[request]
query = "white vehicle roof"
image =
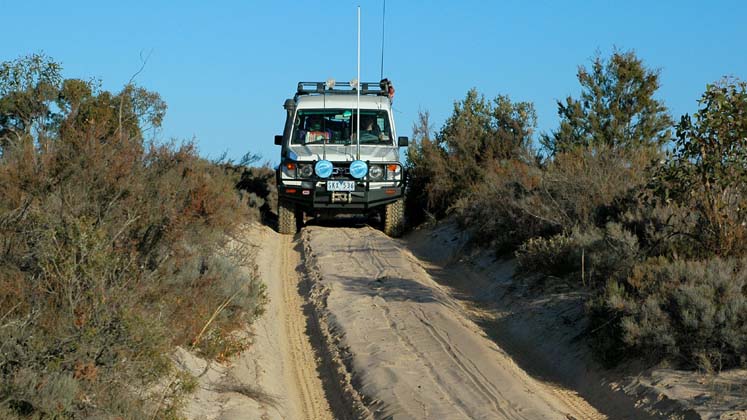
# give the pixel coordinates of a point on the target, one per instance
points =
(342, 101)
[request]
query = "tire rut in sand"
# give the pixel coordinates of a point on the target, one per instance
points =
(311, 402)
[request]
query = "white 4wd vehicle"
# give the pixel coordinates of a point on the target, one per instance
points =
(325, 168)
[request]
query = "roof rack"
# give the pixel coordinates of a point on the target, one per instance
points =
(382, 88)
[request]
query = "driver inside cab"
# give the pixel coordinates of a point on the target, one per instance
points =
(370, 130)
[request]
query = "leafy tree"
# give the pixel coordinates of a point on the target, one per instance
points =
(29, 86)
(35, 101)
(617, 108)
(479, 133)
(708, 169)
(121, 116)
(479, 130)
(424, 160)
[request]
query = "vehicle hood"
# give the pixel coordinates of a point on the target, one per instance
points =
(345, 153)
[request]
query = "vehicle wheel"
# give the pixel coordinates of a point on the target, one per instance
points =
(287, 224)
(300, 219)
(394, 219)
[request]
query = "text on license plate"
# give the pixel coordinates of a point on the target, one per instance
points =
(340, 185)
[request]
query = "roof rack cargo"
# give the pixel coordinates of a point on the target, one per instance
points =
(382, 88)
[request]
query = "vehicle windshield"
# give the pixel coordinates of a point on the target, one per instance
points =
(338, 126)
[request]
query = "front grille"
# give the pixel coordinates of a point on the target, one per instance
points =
(341, 172)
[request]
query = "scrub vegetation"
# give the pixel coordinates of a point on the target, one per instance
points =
(644, 213)
(114, 250)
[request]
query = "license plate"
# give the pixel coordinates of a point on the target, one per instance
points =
(340, 185)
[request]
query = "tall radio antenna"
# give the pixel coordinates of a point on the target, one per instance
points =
(358, 92)
(383, 20)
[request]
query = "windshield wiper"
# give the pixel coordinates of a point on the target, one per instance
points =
(329, 142)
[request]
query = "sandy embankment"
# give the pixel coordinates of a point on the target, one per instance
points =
(543, 330)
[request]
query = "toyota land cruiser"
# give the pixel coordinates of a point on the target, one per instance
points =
(340, 154)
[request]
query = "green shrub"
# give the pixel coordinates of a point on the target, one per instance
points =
(609, 253)
(663, 227)
(446, 168)
(617, 108)
(692, 313)
(258, 184)
(602, 254)
(581, 189)
(551, 256)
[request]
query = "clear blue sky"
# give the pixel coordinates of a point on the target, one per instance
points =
(225, 68)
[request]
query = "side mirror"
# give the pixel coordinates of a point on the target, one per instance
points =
(403, 141)
(279, 140)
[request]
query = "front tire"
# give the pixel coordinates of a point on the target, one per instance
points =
(287, 223)
(394, 219)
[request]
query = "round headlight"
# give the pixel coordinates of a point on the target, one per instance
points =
(305, 171)
(323, 168)
(358, 169)
(375, 172)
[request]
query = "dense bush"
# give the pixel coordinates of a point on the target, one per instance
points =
(113, 251)
(505, 210)
(258, 185)
(444, 169)
(425, 160)
(657, 238)
(481, 164)
(708, 170)
(693, 313)
(591, 256)
(522, 199)
(553, 256)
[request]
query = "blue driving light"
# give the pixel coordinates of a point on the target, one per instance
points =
(323, 168)
(358, 169)
(292, 155)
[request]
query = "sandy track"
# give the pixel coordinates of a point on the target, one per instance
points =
(411, 353)
(355, 328)
(305, 388)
